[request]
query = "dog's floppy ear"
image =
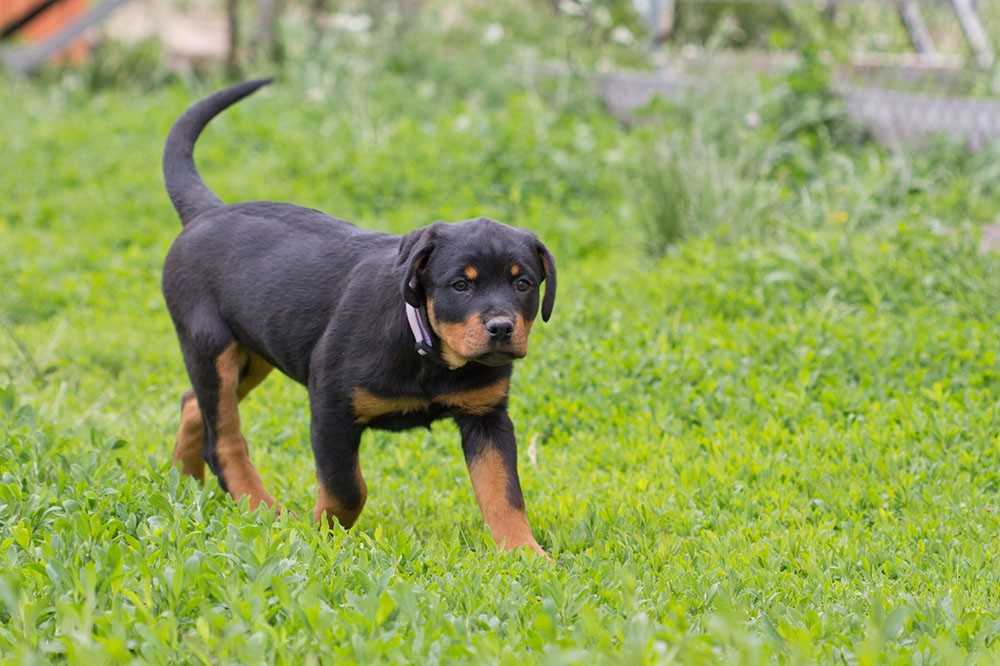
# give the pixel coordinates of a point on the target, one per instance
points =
(414, 250)
(549, 276)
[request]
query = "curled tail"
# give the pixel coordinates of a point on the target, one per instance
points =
(187, 191)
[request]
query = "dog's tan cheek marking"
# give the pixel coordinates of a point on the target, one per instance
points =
(470, 337)
(508, 525)
(515, 270)
(239, 473)
(477, 401)
(331, 507)
(368, 406)
(522, 329)
(190, 439)
(454, 338)
(452, 359)
(471, 272)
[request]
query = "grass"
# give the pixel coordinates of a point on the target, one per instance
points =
(776, 440)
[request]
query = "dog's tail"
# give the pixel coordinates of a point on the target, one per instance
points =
(187, 190)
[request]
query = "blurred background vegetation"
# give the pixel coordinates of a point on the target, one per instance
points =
(148, 40)
(762, 106)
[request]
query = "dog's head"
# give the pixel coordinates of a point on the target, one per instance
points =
(480, 282)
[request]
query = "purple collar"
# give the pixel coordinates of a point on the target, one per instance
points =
(421, 331)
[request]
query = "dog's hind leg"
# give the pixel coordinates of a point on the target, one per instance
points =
(190, 442)
(190, 438)
(220, 381)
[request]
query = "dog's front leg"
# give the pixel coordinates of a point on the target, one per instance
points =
(341, 489)
(491, 454)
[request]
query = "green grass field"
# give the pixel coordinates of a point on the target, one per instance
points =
(775, 438)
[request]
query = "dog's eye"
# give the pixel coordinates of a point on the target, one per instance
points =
(460, 285)
(524, 284)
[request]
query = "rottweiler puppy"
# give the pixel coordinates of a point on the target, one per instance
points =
(384, 331)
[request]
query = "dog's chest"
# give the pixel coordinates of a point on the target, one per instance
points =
(371, 408)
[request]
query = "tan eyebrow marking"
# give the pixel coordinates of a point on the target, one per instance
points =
(471, 272)
(515, 270)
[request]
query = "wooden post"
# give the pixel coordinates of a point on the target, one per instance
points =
(979, 42)
(317, 17)
(830, 10)
(267, 35)
(233, 47)
(913, 21)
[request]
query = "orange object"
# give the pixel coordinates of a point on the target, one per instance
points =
(48, 23)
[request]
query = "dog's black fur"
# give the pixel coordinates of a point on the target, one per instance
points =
(259, 285)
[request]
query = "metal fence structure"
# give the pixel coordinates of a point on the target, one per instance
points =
(893, 116)
(921, 19)
(902, 96)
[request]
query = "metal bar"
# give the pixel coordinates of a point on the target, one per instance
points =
(26, 18)
(660, 18)
(974, 32)
(913, 21)
(28, 58)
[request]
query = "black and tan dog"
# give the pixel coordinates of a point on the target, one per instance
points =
(385, 332)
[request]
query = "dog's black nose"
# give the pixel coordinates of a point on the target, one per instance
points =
(500, 328)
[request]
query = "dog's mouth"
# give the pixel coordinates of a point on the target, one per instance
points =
(501, 352)
(497, 358)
